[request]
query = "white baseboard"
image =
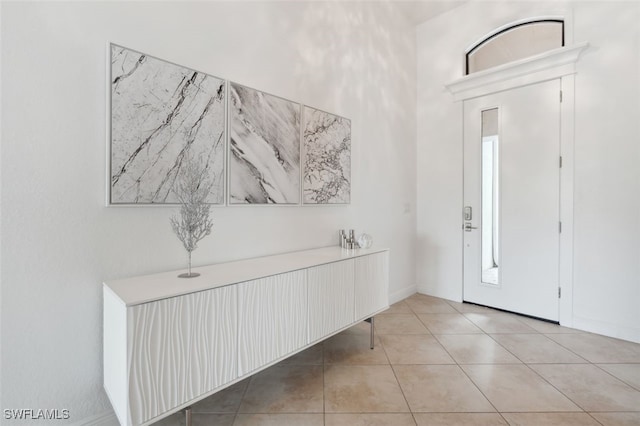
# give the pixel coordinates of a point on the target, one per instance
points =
(631, 334)
(442, 294)
(397, 296)
(108, 418)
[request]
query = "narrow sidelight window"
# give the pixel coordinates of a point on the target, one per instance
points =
(490, 198)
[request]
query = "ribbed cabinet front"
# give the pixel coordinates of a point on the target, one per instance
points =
(180, 348)
(272, 319)
(331, 298)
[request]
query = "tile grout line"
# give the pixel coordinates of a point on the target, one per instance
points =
(563, 346)
(244, 394)
(531, 369)
(613, 375)
(553, 386)
(460, 368)
(595, 420)
(588, 362)
(492, 337)
(393, 370)
(324, 398)
(465, 373)
(506, 349)
(467, 376)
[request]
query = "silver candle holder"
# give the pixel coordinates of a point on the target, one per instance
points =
(348, 240)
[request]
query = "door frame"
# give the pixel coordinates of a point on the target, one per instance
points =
(555, 64)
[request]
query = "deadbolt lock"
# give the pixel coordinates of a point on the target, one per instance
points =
(468, 213)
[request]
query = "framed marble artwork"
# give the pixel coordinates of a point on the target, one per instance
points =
(161, 114)
(264, 148)
(326, 162)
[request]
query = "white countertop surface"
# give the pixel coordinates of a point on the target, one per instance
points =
(148, 288)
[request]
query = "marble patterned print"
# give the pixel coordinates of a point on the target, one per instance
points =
(264, 160)
(327, 158)
(161, 114)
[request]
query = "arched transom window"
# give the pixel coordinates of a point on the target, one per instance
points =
(515, 42)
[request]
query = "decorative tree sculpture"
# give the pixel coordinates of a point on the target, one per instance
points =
(193, 223)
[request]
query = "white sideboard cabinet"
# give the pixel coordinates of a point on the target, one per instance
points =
(170, 342)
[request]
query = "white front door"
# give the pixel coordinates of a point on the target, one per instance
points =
(512, 200)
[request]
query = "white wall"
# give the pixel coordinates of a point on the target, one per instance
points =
(59, 241)
(606, 260)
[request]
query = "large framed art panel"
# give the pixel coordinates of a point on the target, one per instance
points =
(326, 158)
(264, 148)
(161, 116)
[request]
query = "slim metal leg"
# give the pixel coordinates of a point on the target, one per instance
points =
(187, 416)
(370, 321)
(372, 339)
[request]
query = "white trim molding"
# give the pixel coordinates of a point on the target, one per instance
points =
(567, 149)
(402, 294)
(545, 66)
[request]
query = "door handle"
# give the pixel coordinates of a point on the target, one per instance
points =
(468, 227)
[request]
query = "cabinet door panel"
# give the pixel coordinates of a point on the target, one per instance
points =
(331, 298)
(372, 284)
(181, 348)
(272, 319)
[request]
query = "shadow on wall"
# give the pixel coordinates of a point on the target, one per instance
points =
(374, 59)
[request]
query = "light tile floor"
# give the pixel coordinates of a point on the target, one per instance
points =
(440, 363)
